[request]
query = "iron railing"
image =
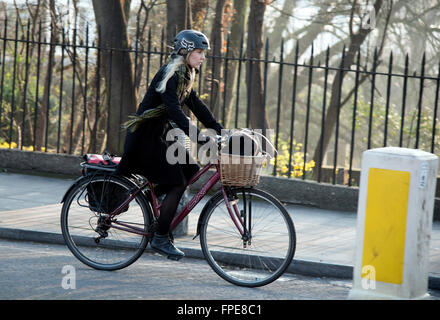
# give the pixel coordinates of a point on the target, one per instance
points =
(375, 105)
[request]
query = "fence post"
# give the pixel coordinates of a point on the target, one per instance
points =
(5, 32)
(309, 96)
(395, 210)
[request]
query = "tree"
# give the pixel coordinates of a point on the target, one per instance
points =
(178, 18)
(199, 9)
(215, 64)
(257, 116)
(237, 31)
(41, 130)
(141, 39)
(111, 17)
(356, 40)
(281, 24)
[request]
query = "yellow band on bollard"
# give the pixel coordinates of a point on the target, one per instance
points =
(385, 223)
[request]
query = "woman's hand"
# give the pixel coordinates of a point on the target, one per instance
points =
(209, 139)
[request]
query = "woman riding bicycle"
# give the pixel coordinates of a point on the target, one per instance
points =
(146, 146)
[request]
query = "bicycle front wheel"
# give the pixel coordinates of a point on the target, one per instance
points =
(253, 247)
(95, 239)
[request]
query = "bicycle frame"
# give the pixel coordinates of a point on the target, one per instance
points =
(232, 209)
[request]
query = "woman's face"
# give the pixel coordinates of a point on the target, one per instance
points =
(196, 58)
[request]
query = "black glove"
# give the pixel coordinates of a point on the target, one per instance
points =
(203, 139)
(208, 139)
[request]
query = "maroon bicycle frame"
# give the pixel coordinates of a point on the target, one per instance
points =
(233, 210)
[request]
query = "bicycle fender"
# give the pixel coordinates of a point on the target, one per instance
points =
(80, 179)
(70, 188)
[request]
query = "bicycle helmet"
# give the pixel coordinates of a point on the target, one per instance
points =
(188, 40)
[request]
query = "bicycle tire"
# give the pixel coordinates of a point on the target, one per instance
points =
(243, 263)
(82, 229)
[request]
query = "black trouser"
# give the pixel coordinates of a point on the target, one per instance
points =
(169, 206)
(173, 195)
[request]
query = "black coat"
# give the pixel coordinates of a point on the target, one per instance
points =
(145, 148)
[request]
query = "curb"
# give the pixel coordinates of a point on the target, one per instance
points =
(294, 191)
(302, 267)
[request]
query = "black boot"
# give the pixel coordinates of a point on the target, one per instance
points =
(163, 245)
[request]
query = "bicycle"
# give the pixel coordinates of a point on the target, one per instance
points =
(246, 234)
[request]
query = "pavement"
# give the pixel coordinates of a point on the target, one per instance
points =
(30, 210)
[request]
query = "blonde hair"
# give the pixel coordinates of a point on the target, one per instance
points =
(171, 68)
(192, 73)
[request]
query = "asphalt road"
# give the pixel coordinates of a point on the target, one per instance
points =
(41, 276)
(49, 272)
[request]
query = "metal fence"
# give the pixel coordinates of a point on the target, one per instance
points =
(53, 99)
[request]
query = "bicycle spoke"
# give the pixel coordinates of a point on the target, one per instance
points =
(255, 260)
(93, 239)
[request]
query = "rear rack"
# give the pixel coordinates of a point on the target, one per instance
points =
(109, 168)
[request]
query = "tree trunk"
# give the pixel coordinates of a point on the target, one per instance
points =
(93, 115)
(316, 27)
(237, 31)
(215, 64)
(356, 41)
(199, 9)
(254, 70)
(42, 123)
(281, 24)
(29, 124)
(178, 18)
(111, 19)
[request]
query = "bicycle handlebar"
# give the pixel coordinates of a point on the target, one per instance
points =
(220, 139)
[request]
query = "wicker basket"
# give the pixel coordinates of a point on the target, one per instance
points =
(241, 171)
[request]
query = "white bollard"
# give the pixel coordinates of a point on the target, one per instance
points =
(394, 222)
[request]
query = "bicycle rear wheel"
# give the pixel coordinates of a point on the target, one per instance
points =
(264, 249)
(91, 236)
